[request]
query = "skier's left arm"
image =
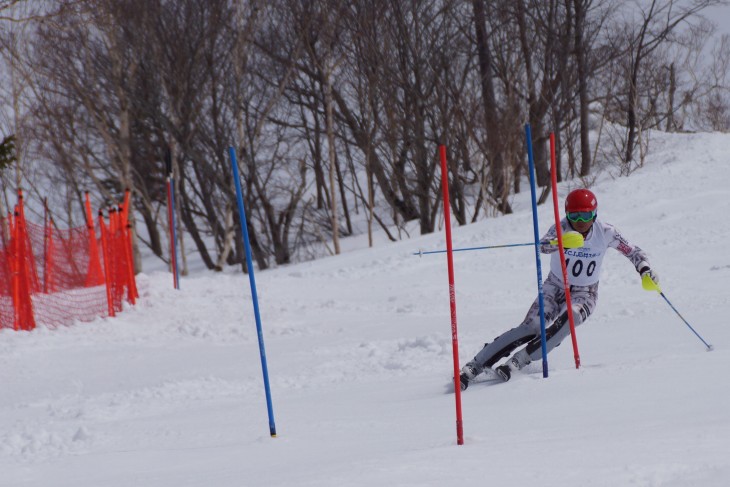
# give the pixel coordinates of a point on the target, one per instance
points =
(634, 253)
(546, 242)
(571, 239)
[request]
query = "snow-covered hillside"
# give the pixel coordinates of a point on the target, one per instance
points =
(170, 393)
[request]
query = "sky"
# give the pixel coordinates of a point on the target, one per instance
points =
(359, 352)
(721, 16)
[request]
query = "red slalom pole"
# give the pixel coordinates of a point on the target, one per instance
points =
(559, 230)
(452, 294)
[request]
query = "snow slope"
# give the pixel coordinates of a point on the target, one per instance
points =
(170, 393)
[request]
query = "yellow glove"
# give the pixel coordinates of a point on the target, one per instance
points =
(649, 278)
(571, 240)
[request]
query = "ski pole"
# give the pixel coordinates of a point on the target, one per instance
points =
(420, 253)
(648, 284)
(709, 347)
(571, 240)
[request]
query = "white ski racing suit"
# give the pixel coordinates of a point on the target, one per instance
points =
(584, 270)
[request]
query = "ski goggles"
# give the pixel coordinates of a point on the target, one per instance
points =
(581, 216)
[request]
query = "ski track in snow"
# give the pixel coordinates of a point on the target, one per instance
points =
(359, 350)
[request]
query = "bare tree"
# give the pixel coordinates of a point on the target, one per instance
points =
(495, 152)
(714, 113)
(581, 52)
(334, 107)
(659, 21)
(548, 25)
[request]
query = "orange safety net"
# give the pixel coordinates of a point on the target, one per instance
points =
(54, 277)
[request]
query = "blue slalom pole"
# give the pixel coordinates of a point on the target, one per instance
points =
(254, 295)
(531, 162)
(419, 253)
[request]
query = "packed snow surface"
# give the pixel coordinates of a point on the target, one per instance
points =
(359, 351)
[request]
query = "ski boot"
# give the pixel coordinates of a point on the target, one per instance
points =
(468, 373)
(517, 362)
(503, 372)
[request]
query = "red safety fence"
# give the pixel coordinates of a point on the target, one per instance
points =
(53, 277)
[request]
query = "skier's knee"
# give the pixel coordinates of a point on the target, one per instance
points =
(581, 312)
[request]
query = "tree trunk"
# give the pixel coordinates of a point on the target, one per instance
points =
(536, 104)
(154, 233)
(631, 124)
(363, 140)
(332, 161)
(580, 54)
(345, 208)
(322, 192)
(371, 194)
(227, 246)
(672, 91)
(500, 190)
(177, 172)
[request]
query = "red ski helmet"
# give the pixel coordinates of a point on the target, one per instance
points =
(580, 200)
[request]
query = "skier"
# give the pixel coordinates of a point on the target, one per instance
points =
(585, 241)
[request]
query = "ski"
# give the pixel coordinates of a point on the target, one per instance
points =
(487, 377)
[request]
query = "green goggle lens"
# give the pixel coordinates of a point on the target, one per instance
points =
(581, 216)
